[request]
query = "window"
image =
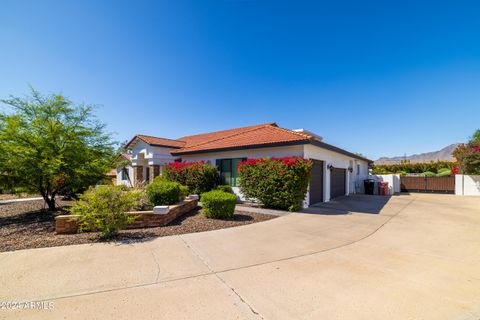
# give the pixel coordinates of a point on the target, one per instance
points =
(124, 174)
(147, 174)
(358, 169)
(228, 170)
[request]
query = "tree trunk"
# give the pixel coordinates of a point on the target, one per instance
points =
(50, 201)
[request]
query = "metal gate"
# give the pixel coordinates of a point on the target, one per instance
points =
(428, 184)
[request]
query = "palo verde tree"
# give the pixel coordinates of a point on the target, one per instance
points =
(51, 146)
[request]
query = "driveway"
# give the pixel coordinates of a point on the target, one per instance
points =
(360, 257)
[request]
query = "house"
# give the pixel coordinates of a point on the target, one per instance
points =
(124, 170)
(336, 172)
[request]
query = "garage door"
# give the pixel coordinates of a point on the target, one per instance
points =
(337, 182)
(316, 182)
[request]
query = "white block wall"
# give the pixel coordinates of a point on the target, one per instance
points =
(467, 185)
(392, 179)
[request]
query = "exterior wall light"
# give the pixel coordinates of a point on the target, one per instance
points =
(350, 169)
(330, 167)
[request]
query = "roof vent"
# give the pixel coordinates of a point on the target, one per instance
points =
(314, 135)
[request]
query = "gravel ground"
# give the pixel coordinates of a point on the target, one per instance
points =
(25, 225)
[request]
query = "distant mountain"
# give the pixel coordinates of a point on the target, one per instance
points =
(443, 154)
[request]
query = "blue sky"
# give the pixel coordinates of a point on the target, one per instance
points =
(380, 78)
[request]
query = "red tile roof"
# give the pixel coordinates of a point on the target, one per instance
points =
(155, 141)
(261, 135)
(257, 135)
(210, 136)
(126, 156)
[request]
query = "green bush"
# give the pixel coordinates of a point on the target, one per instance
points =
(444, 174)
(218, 204)
(183, 192)
(104, 208)
(225, 188)
(468, 156)
(412, 167)
(429, 174)
(279, 183)
(199, 177)
(161, 192)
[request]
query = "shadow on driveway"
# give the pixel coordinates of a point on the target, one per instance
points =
(370, 204)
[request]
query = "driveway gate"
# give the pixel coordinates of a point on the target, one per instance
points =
(428, 184)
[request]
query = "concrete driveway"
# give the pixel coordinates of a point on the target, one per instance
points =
(360, 257)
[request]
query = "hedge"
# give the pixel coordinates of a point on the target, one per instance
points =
(279, 183)
(224, 188)
(161, 192)
(218, 204)
(413, 167)
(199, 177)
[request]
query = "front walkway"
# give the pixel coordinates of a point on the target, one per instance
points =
(361, 257)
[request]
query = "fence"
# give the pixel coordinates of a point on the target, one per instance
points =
(428, 184)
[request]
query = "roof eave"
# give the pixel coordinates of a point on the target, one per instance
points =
(163, 145)
(151, 144)
(339, 150)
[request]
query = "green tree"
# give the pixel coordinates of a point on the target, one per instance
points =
(51, 146)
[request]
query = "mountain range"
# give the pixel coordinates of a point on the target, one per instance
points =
(444, 154)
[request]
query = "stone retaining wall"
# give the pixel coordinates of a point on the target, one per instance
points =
(68, 224)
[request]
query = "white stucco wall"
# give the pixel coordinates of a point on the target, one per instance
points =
(144, 154)
(392, 179)
(119, 180)
(467, 185)
(354, 179)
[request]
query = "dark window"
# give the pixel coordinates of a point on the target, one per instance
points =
(358, 169)
(147, 174)
(124, 174)
(228, 170)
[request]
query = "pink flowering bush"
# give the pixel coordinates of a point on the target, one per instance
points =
(199, 177)
(468, 156)
(279, 183)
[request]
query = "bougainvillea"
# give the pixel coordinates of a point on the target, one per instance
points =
(468, 156)
(199, 177)
(279, 183)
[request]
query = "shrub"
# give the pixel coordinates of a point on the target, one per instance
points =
(412, 167)
(468, 156)
(279, 183)
(218, 204)
(104, 208)
(444, 173)
(199, 177)
(429, 174)
(161, 192)
(183, 192)
(225, 188)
